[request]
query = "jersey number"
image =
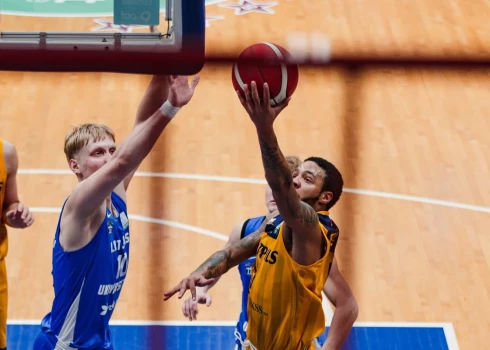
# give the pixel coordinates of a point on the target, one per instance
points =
(122, 265)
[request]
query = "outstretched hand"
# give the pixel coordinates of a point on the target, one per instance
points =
(260, 111)
(190, 306)
(195, 279)
(180, 92)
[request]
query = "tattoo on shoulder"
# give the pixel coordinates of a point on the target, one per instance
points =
(303, 212)
(308, 215)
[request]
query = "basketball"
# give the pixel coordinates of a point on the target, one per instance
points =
(266, 63)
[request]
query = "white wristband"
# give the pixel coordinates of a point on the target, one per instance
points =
(169, 110)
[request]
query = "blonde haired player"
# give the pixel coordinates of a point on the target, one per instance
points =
(15, 215)
(294, 250)
(91, 245)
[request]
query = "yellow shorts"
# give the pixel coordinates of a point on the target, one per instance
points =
(3, 304)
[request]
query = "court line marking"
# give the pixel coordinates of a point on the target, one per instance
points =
(448, 328)
(142, 218)
(451, 339)
(201, 177)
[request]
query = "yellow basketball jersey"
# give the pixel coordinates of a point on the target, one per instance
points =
(285, 301)
(3, 181)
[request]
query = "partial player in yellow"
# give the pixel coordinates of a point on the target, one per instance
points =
(294, 250)
(14, 214)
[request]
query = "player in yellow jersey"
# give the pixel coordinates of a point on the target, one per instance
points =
(336, 289)
(294, 251)
(14, 214)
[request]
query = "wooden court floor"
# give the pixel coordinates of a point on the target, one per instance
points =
(412, 145)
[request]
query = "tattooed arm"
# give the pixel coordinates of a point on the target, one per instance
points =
(300, 217)
(296, 214)
(219, 263)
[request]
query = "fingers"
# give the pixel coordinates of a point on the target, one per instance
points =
(29, 220)
(20, 217)
(183, 289)
(11, 214)
(283, 105)
(187, 309)
(209, 300)
(192, 287)
(255, 94)
(20, 208)
(171, 292)
(24, 212)
(171, 79)
(266, 93)
(248, 98)
(193, 311)
(190, 308)
(184, 307)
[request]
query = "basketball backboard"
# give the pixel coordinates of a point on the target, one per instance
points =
(177, 48)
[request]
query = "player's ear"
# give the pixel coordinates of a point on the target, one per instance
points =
(74, 167)
(326, 197)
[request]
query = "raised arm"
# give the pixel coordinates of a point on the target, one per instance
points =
(156, 94)
(340, 295)
(299, 216)
(90, 193)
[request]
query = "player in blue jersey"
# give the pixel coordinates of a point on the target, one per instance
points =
(91, 243)
(336, 289)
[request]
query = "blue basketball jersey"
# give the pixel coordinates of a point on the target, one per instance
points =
(245, 270)
(87, 283)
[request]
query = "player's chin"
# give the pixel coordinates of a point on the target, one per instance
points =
(272, 206)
